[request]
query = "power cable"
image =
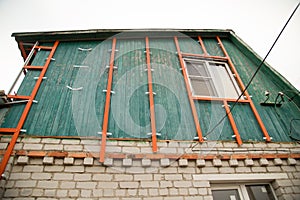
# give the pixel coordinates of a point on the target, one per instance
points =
(255, 73)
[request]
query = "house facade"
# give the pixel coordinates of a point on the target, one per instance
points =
(147, 114)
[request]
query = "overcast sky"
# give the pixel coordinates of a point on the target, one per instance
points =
(257, 22)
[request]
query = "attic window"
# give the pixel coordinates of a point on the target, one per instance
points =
(211, 79)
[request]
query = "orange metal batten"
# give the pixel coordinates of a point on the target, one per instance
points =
(263, 128)
(18, 97)
(219, 99)
(26, 111)
(43, 47)
(151, 98)
(232, 123)
(7, 130)
(204, 56)
(192, 104)
(202, 45)
(107, 101)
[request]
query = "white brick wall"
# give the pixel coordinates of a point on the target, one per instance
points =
(68, 171)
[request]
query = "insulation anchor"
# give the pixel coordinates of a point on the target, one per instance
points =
(23, 130)
(107, 133)
(114, 67)
(152, 70)
(157, 134)
(83, 49)
(74, 89)
(149, 93)
(113, 92)
(52, 59)
(39, 77)
(80, 66)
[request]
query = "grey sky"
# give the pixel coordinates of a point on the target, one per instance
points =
(257, 22)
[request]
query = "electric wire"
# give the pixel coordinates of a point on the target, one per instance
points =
(255, 73)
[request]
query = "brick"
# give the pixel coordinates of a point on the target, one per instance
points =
(233, 163)
(168, 150)
(129, 184)
(86, 193)
(11, 193)
(217, 162)
(142, 177)
(62, 193)
(291, 161)
(82, 177)
(33, 146)
(131, 150)
(104, 185)
(23, 160)
(183, 191)
(183, 162)
(278, 161)
(249, 162)
(263, 162)
(198, 184)
(165, 184)
(88, 161)
(73, 147)
(282, 183)
(49, 193)
(173, 177)
(200, 163)
(31, 140)
(48, 184)
(149, 184)
(127, 162)
(33, 168)
(146, 162)
(26, 192)
(50, 141)
(63, 176)
(53, 147)
(3, 146)
(70, 141)
(97, 193)
(123, 177)
(182, 184)
(41, 176)
(102, 177)
(48, 160)
(55, 168)
(68, 161)
(25, 184)
(108, 162)
(164, 162)
(209, 170)
(288, 168)
(19, 176)
(259, 169)
(67, 184)
(227, 170)
(74, 169)
(86, 185)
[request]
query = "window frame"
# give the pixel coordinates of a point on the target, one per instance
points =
(211, 77)
(241, 187)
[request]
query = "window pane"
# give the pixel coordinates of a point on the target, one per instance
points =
(230, 194)
(202, 87)
(260, 192)
(223, 81)
(196, 69)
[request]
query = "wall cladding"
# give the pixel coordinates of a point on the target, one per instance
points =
(46, 168)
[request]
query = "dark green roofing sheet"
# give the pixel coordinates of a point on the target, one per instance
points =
(64, 112)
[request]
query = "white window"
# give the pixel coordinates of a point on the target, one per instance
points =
(211, 79)
(242, 192)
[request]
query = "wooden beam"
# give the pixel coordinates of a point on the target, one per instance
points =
(107, 101)
(151, 98)
(232, 123)
(202, 45)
